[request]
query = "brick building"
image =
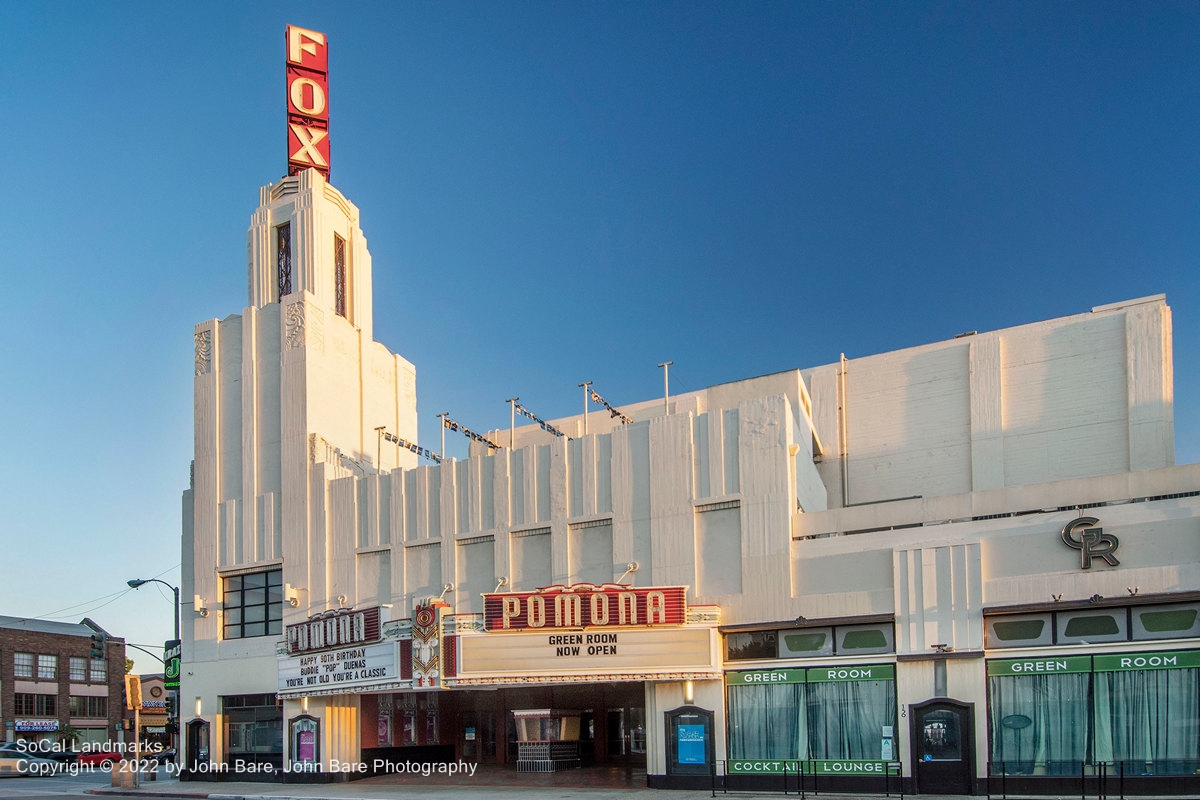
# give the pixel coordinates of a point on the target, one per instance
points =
(49, 680)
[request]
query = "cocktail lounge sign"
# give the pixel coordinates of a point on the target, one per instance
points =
(584, 605)
(1078, 534)
(344, 627)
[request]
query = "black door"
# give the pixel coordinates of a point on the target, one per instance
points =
(943, 746)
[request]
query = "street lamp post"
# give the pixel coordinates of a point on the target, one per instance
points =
(137, 583)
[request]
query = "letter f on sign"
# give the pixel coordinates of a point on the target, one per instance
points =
(303, 42)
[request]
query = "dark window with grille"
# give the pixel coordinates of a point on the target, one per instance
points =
(253, 604)
(283, 251)
(339, 274)
(38, 705)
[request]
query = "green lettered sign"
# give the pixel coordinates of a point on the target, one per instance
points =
(760, 677)
(865, 672)
(850, 767)
(761, 767)
(1172, 659)
(1039, 666)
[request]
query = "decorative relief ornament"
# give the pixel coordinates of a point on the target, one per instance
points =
(203, 341)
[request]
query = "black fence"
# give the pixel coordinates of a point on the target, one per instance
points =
(803, 778)
(1101, 780)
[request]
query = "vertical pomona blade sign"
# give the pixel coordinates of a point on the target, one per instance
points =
(307, 101)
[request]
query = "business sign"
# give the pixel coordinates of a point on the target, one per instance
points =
(585, 605)
(1078, 534)
(349, 667)
(172, 651)
(758, 677)
(307, 101)
(747, 766)
(1172, 659)
(1039, 666)
(343, 627)
(36, 725)
(587, 652)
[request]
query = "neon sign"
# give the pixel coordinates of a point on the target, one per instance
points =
(307, 101)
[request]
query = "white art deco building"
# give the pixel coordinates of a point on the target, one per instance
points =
(967, 558)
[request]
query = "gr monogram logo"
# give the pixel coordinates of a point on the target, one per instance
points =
(1079, 534)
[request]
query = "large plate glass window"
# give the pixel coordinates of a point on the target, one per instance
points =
(1048, 714)
(823, 713)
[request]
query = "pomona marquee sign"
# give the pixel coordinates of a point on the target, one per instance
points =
(584, 605)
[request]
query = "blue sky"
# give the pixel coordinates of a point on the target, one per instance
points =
(553, 193)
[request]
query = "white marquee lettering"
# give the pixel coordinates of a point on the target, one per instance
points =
(301, 41)
(568, 611)
(509, 607)
(598, 606)
(309, 137)
(296, 92)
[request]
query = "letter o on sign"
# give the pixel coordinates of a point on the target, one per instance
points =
(317, 107)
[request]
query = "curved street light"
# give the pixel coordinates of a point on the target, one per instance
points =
(137, 583)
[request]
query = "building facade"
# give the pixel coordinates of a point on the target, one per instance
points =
(57, 676)
(917, 563)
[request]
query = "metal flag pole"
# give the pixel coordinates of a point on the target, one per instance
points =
(585, 386)
(512, 420)
(442, 416)
(666, 392)
(379, 449)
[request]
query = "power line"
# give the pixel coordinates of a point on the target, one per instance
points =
(111, 598)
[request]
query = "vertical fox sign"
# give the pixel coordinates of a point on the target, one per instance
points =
(307, 101)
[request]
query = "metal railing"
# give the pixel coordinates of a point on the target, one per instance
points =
(1093, 779)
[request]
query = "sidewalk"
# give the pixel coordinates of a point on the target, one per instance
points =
(387, 788)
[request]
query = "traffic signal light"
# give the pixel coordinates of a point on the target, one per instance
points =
(171, 704)
(97, 645)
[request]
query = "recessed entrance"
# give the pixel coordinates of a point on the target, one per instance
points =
(943, 746)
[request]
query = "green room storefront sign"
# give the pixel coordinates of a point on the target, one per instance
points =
(814, 767)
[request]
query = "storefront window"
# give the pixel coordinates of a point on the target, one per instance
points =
(823, 713)
(1147, 711)
(1049, 715)
(1039, 714)
(253, 729)
(765, 722)
(846, 715)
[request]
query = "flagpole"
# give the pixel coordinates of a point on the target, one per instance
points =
(442, 416)
(666, 392)
(585, 386)
(512, 420)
